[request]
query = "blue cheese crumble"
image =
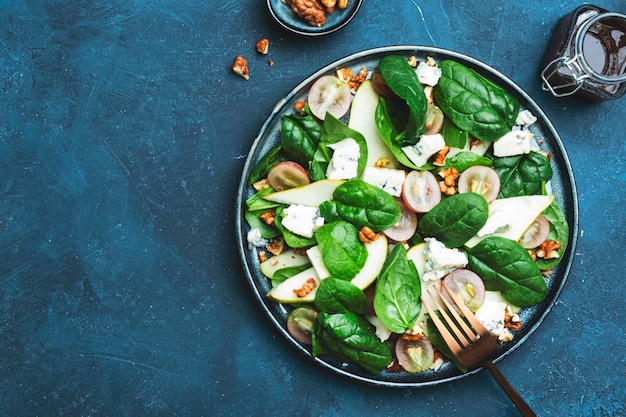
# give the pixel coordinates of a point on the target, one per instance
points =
(255, 239)
(516, 142)
(387, 179)
(441, 260)
(344, 163)
(302, 220)
(427, 146)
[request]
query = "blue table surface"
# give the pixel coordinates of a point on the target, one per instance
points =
(123, 134)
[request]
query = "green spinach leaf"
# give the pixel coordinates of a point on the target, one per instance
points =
(398, 289)
(455, 219)
(342, 252)
(363, 204)
(507, 267)
(522, 174)
(271, 158)
(388, 132)
(299, 136)
(402, 80)
(346, 337)
(463, 160)
(453, 136)
(338, 296)
(474, 103)
(287, 272)
(254, 220)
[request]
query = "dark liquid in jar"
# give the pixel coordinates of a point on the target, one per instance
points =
(604, 50)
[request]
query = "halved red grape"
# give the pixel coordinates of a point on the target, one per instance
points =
(434, 119)
(415, 354)
(482, 180)
(536, 234)
(468, 286)
(329, 94)
(287, 174)
(405, 228)
(420, 191)
(300, 324)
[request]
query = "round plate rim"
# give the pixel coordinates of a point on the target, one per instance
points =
(407, 50)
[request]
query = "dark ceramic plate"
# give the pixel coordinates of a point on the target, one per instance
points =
(286, 18)
(562, 184)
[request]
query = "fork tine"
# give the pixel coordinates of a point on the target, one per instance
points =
(450, 340)
(463, 331)
(476, 324)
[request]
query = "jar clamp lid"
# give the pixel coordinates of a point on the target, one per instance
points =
(577, 66)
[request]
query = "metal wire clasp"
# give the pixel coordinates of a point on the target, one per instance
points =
(577, 74)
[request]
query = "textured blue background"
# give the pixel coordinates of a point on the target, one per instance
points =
(123, 133)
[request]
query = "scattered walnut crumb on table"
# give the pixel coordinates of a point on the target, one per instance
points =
(240, 67)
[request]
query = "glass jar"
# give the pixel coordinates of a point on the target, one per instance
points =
(587, 55)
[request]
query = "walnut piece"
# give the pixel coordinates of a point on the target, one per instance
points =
(268, 217)
(382, 162)
(240, 67)
(342, 4)
(299, 106)
(263, 46)
(276, 246)
(440, 158)
(306, 289)
(309, 10)
(447, 186)
(329, 5)
(367, 235)
(548, 250)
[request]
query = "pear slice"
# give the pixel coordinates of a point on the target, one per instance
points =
(315, 257)
(362, 119)
(311, 195)
(284, 292)
(376, 255)
(417, 255)
(284, 259)
(510, 217)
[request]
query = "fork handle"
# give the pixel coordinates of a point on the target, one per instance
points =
(510, 391)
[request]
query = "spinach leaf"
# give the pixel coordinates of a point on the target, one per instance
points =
(473, 103)
(254, 220)
(454, 137)
(388, 132)
(299, 136)
(349, 338)
(559, 232)
(291, 239)
(522, 174)
(463, 160)
(338, 296)
(342, 252)
(258, 202)
(398, 289)
(455, 219)
(271, 158)
(363, 204)
(287, 272)
(402, 80)
(507, 267)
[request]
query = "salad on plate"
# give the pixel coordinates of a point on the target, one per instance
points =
(385, 182)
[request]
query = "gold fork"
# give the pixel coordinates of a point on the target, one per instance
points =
(472, 347)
